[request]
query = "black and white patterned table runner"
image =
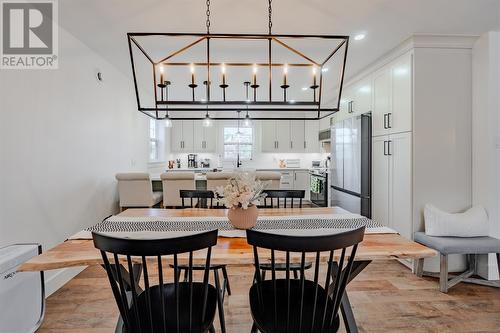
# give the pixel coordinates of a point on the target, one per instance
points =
(162, 224)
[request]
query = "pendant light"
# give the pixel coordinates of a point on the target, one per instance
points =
(207, 122)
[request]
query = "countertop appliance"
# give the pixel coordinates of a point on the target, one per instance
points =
(319, 186)
(350, 167)
(192, 161)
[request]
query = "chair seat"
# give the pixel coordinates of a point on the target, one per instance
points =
(459, 245)
(157, 197)
(263, 315)
(198, 324)
(282, 266)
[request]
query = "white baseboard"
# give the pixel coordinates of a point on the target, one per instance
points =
(56, 279)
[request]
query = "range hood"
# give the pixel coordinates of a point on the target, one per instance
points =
(325, 135)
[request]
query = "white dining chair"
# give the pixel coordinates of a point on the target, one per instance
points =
(136, 190)
(172, 183)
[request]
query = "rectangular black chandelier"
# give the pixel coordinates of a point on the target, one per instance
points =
(270, 77)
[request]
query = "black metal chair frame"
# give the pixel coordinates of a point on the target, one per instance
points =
(341, 271)
(201, 195)
(132, 300)
(283, 194)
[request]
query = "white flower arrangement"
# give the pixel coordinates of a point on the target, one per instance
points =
(243, 190)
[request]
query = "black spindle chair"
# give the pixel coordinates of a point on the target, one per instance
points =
(303, 305)
(285, 195)
(163, 307)
(202, 197)
(202, 201)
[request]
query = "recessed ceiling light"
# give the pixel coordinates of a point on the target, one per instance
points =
(324, 69)
(304, 88)
(292, 101)
(359, 36)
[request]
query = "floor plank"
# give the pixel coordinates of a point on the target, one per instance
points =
(386, 297)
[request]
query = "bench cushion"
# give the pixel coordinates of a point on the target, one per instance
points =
(459, 245)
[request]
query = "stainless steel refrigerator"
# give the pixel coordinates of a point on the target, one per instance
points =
(350, 168)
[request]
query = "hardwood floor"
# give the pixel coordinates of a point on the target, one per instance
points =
(386, 297)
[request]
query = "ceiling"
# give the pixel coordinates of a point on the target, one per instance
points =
(103, 24)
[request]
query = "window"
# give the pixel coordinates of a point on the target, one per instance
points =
(234, 143)
(153, 141)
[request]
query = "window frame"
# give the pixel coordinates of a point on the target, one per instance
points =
(237, 144)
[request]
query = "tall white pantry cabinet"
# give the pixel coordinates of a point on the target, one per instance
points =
(421, 129)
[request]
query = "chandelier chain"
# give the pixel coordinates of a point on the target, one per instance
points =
(208, 17)
(270, 10)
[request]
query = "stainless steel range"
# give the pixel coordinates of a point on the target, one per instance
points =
(319, 186)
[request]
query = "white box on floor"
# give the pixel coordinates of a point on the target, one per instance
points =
(22, 298)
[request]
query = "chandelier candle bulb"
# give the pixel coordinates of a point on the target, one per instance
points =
(161, 73)
(285, 72)
(192, 73)
(223, 70)
(255, 74)
(314, 70)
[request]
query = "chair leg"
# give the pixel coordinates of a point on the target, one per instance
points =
(226, 280)
(186, 275)
(419, 267)
(254, 329)
(263, 275)
(443, 273)
(295, 274)
(211, 329)
(220, 302)
(498, 265)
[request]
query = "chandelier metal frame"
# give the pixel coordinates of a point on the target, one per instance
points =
(163, 105)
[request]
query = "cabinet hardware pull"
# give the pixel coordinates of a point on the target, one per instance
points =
(385, 120)
(305, 146)
(389, 147)
(291, 144)
(385, 149)
(389, 120)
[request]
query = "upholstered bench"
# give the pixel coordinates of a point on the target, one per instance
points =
(471, 246)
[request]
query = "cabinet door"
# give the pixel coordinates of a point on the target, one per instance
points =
(176, 143)
(345, 104)
(302, 182)
(268, 136)
(199, 139)
(400, 116)
(283, 135)
(381, 102)
(362, 97)
(209, 138)
(400, 183)
(380, 181)
(286, 182)
(188, 135)
(337, 156)
(297, 136)
(311, 132)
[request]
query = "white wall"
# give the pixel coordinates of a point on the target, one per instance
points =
(63, 136)
(486, 135)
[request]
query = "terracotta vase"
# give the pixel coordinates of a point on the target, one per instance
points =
(243, 218)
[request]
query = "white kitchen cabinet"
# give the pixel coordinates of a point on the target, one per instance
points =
(337, 156)
(380, 181)
(204, 137)
(268, 136)
(282, 135)
(181, 136)
(297, 136)
(400, 180)
(392, 97)
(301, 181)
(391, 182)
(311, 131)
(287, 178)
(361, 101)
(381, 102)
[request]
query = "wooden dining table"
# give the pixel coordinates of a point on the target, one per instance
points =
(236, 251)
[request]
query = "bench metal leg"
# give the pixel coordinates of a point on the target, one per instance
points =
(443, 273)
